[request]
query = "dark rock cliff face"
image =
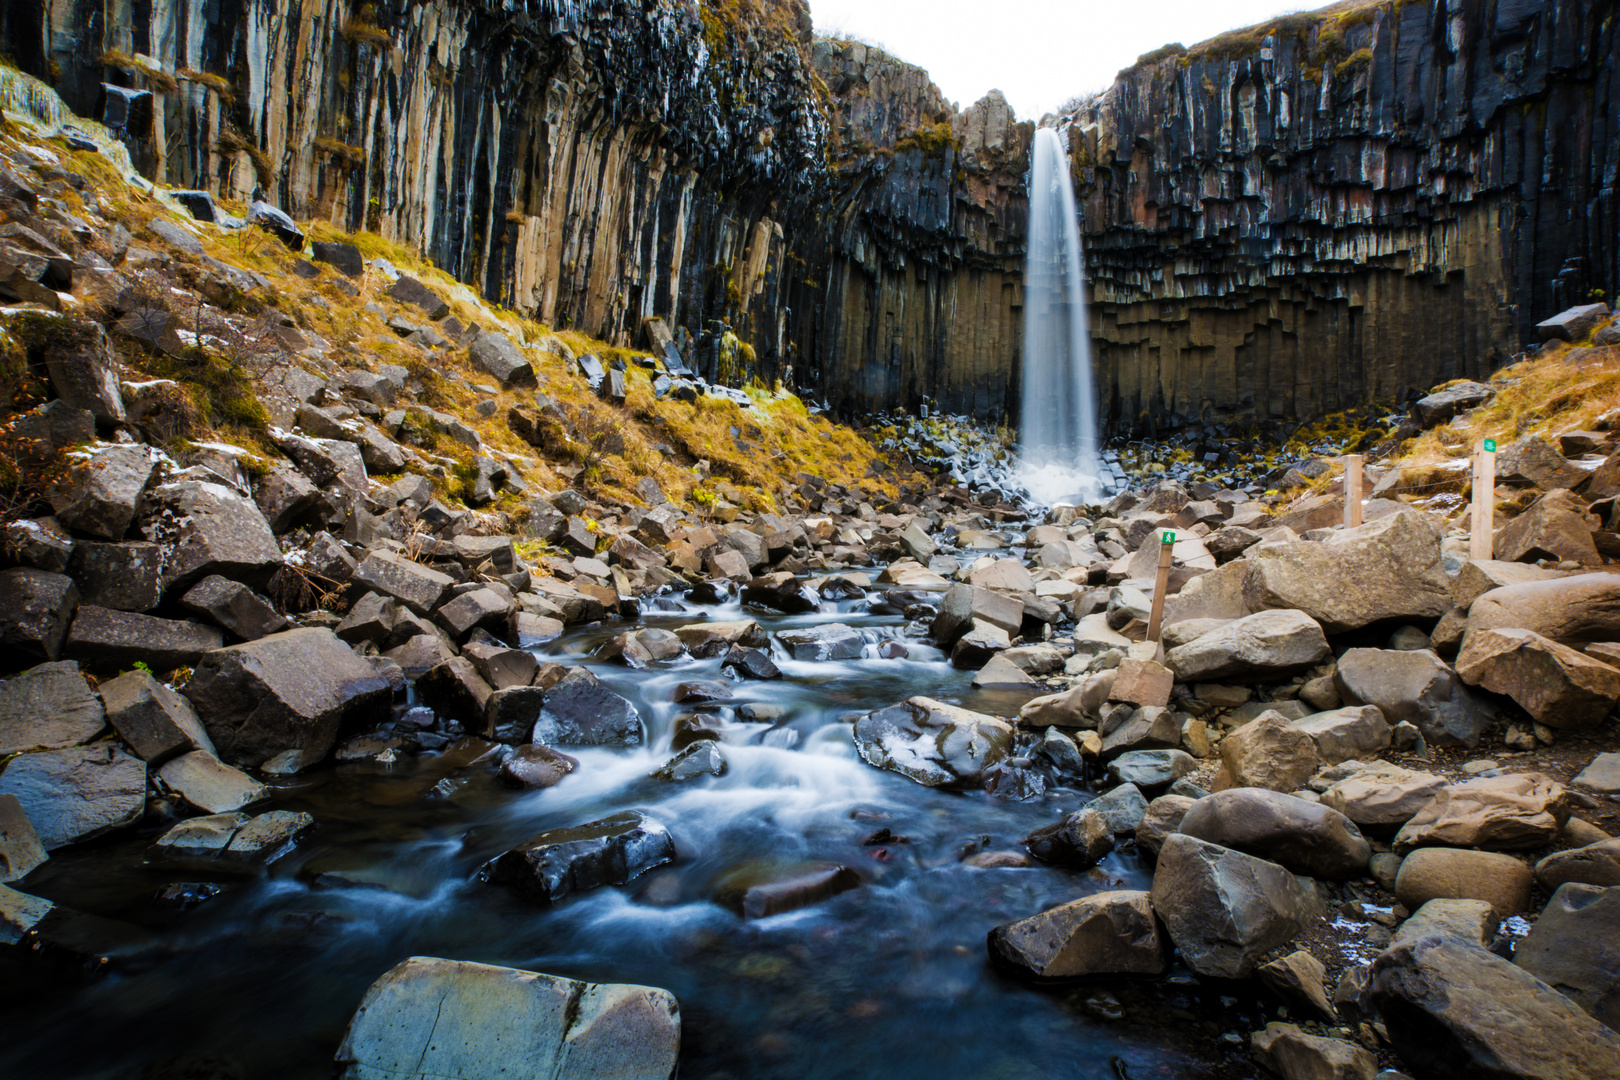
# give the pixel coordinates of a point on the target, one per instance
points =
(1279, 224)
(1347, 206)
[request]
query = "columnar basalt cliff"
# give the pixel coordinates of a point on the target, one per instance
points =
(1347, 205)
(1281, 222)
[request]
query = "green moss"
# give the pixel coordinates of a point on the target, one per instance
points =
(932, 139)
(1359, 60)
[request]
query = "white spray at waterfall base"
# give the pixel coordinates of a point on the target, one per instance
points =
(1058, 437)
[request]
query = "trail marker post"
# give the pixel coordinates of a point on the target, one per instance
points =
(1167, 550)
(1352, 490)
(1483, 521)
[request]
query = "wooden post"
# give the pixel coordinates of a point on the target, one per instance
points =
(1167, 550)
(1483, 521)
(1352, 490)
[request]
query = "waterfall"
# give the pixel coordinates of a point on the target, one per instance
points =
(1058, 440)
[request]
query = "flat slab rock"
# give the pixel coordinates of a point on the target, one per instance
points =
(429, 1018)
(77, 793)
(558, 862)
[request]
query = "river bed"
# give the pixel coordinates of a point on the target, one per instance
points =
(890, 979)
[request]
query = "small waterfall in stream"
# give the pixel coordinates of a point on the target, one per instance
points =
(1058, 441)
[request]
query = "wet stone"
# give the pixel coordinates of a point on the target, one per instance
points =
(747, 663)
(613, 851)
(703, 758)
(536, 766)
(758, 892)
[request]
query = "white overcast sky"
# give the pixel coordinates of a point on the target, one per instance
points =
(1039, 53)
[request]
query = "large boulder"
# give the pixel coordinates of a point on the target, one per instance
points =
(1107, 933)
(1265, 645)
(430, 1019)
(1295, 1054)
(1356, 731)
(1570, 610)
(1269, 752)
(1453, 874)
(105, 641)
(77, 793)
(1382, 797)
(1442, 405)
(48, 707)
(933, 743)
(416, 586)
(1532, 462)
(295, 690)
(1556, 526)
(102, 489)
(558, 862)
(495, 354)
(1501, 813)
(1387, 569)
(1414, 686)
(1555, 684)
(36, 609)
(1575, 947)
(209, 529)
(580, 711)
(829, 641)
(155, 720)
(1595, 864)
(963, 604)
(1454, 1009)
(1224, 909)
(1303, 836)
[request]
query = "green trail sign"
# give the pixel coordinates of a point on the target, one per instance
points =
(1169, 537)
(1490, 446)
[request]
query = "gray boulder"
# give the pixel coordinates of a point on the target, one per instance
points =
(77, 793)
(416, 586)
(1356, 731)
(105, 641)
(962, 604)
(495, 354)
(1108, 933)
(581, 711)
(428, 1019)
(99, 497)
(1411, 686)
(1123, 806)
(157, 722)
(289, 691)
(1454, 1009)
(127, 575)
(830, 641)
(1575, 948)
(558, 862)
(935, 744)
(1389, 568)
(1225, 910)
(209, 529)
(1267, 644)
(1151, 770)
(235, 607)
(48, 707)
(1303, 836)
(36, 609)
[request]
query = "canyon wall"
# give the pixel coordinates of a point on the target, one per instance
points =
(1341, 206)
(1279, 223)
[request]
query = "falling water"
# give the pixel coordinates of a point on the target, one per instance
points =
(1059, 439)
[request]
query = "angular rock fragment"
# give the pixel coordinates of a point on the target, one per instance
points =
(581, 711)
(48, 707)
(155, 720)
(235, 607)
(1411, 686)
(103, 640)
(1294, 1054)
(20, 850)
(1108, 933)
(209, 784)
(1225, 910)
(1555, 684)
(416, 586)
(1267, 644)
(1269, 752)
(289, 691)
(1080, 840)
(1502, 813)
(935, 744)
(556, 863)
(36, 609)
(1357, 731)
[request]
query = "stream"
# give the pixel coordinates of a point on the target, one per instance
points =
(890, 979)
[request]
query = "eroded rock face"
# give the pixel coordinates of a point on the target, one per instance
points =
(428, 1018)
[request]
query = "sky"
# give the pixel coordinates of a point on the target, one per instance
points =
(1039, 53)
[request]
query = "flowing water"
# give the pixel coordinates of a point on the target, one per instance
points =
(888, 980)
(1058, 424)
